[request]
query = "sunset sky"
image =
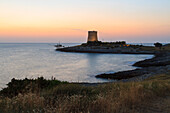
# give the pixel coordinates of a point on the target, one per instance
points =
(69, 20)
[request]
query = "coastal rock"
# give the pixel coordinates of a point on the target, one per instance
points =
(105, 49)
(123, 74)
(158, 60)
(143, 72)
(150, 67)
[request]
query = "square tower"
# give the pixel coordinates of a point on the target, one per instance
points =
(92, 36)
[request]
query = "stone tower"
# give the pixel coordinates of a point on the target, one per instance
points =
(92, 36)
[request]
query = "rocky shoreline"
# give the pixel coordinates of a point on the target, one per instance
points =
(100, 49)
(161, 59)
(159, 64)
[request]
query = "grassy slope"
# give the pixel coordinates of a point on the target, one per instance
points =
(151, 95)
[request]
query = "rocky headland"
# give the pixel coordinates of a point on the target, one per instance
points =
(161, 59)
(110, 48)
(159, 64)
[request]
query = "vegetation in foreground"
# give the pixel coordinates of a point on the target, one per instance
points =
(40, 95)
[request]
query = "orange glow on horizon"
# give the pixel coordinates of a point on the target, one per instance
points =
(72, 19)
(71, 32)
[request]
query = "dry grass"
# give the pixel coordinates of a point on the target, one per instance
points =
(22, 103)
(128, 97)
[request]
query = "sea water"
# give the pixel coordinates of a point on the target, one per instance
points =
(32, 60)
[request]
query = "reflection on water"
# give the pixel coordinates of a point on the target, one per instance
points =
(33, 60)
(92, 60)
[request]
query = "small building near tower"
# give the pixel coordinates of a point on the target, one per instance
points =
(92, 36)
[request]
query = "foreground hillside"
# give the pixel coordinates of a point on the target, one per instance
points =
(40, 95)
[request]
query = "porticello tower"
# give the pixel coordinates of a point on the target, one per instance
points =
(92, 36)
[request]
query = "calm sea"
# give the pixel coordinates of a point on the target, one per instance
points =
(34, 60)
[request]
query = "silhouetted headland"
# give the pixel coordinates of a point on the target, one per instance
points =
(119, 47)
